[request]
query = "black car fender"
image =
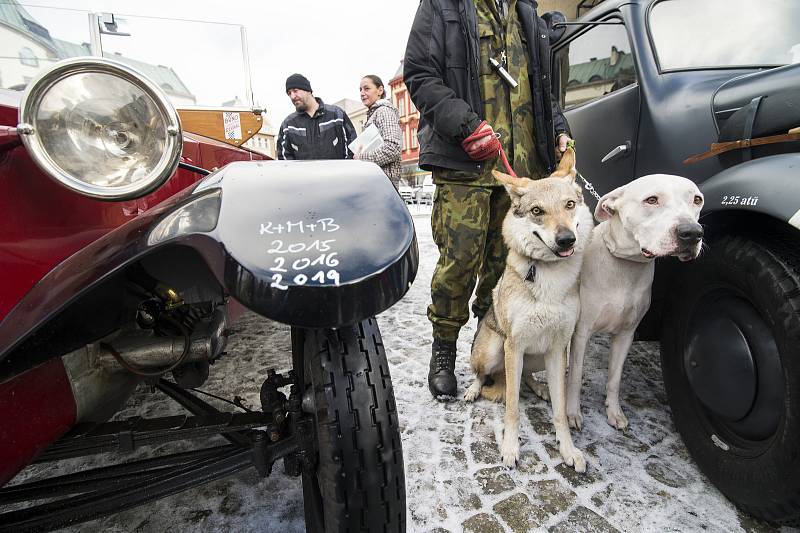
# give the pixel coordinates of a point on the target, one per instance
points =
(767, 186)
(311, 243)
(758, 195)
(306, 243)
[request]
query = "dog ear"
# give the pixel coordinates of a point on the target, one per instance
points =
(566, 167)
(514, 186)
(606, 206)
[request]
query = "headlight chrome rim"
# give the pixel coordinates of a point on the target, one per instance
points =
(45, 81)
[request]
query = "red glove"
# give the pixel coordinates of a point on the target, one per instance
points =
(482, 143)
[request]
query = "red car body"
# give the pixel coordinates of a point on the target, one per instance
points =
(46, 228)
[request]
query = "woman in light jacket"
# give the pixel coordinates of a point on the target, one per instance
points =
(386, 118)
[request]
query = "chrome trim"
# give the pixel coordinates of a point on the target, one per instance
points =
(63, 69)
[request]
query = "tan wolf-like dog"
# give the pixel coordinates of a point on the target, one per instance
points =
(535, 303)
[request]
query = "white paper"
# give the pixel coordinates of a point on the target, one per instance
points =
(233, 125)
(369, 140)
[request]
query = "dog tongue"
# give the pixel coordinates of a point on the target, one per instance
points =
(566, 253)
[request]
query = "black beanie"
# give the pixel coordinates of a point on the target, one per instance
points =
(298, 81)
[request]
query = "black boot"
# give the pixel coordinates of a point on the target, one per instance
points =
(441, 376)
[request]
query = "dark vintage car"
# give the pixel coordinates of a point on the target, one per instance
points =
(132, 235)
(646, 85)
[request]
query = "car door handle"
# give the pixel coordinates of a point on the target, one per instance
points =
(619, 151)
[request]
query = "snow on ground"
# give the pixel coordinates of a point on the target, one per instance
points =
(638, 480)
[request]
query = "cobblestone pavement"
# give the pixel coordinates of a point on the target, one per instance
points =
(641, 479)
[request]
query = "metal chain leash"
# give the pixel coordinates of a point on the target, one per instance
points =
(587, 184)
(589, 187)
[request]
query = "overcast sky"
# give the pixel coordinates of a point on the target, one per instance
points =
(332, 42)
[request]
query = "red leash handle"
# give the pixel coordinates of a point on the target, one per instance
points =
(505, 162)
(488, 150)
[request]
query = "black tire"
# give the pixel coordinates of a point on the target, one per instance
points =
(740, 421)
(360, 480)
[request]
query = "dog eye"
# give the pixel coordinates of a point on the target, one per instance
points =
(652, 200)
(537, 211)
(571, 204)
(698, 200)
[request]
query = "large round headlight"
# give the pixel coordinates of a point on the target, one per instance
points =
(100, 128)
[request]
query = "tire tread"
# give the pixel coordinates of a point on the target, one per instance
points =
(362, 433)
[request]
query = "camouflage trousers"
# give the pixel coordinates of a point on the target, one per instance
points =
(467, 227)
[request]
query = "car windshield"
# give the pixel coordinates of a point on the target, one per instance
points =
(725, 33)
(180, 56)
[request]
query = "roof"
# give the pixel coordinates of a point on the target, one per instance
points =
(397, 75)
(67, 49)
(600, 69)
(15, 16)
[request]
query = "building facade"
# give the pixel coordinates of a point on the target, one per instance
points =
(263, 141)
(409, 122)
(355, 110)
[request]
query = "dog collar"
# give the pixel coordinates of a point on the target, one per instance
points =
(531, 273)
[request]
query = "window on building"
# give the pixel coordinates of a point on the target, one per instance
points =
(414, 141)
(596, 63)
(412, 108)
(401, 104)
(27, 57)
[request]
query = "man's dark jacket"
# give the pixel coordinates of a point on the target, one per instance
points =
(441, 73)
(323, 136)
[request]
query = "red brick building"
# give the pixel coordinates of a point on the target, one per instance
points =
(409, 121)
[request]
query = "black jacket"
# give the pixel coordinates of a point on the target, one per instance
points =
(441, 73)
(323, 136)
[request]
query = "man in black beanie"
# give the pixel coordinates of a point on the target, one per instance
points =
(316, 130)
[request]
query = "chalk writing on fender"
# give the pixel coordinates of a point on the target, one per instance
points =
(317, 258)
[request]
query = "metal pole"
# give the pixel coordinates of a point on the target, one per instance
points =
(248, 87)
(95, 44)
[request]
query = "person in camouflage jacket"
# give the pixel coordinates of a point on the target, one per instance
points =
(458, 92)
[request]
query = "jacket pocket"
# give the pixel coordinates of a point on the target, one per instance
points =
(325, 126)
(297, 138)
(486, 49)
(455, 45)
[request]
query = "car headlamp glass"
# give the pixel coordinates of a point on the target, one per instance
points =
(101, 129)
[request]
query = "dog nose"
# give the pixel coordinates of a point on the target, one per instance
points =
(689, 233)
(565, 239)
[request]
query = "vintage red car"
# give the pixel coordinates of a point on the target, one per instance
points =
(132, 233)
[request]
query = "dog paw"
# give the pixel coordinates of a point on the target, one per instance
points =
(539, 389)
(616, 418)
(509, 451)
(575, 420)
(573, 457)
(473, 392)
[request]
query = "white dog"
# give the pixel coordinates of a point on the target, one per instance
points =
(650, 217)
